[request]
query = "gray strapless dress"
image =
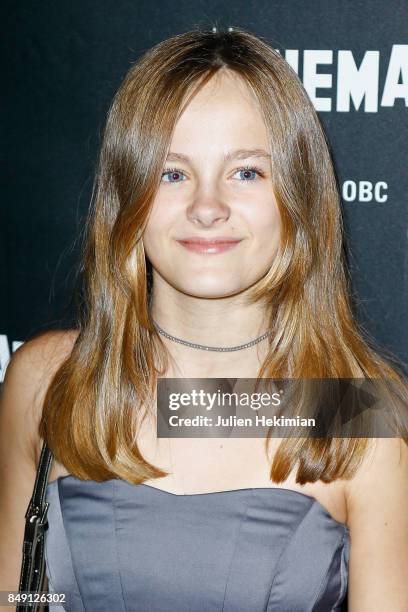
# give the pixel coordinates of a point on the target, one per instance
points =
(118, 547)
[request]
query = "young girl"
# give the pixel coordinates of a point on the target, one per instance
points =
(214, 250)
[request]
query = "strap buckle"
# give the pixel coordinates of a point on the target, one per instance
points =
(37, 516)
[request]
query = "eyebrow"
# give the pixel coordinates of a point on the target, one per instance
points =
(235, 154)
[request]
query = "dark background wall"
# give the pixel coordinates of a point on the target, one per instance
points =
(62, 63)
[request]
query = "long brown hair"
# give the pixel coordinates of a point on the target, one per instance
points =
(90, 408)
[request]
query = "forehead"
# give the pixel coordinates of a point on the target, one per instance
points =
(225, 111)
(225, 85)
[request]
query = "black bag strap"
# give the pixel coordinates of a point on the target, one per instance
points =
(33, 563)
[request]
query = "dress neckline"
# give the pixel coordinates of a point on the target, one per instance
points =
(158, 491)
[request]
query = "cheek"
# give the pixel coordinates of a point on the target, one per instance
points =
(267, 227)
(157, 227)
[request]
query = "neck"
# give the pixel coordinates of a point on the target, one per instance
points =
(224, 322)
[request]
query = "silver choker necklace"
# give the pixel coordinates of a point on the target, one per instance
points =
(210, 348)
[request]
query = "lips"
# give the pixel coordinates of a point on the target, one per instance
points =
(209, 246)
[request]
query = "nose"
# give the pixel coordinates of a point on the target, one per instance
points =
(207, 208)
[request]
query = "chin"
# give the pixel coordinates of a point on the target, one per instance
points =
(209, 290)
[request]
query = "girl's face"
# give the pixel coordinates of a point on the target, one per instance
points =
(216, 183)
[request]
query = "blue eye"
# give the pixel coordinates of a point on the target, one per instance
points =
(174, 175)
(249, 173)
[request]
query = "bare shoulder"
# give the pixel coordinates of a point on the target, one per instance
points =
(383, 469)
(46, 348)
(35, 362)
(26, 381)
(377, 505)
